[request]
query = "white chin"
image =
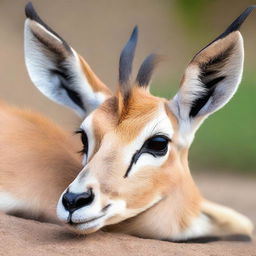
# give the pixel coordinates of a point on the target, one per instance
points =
(86, 228)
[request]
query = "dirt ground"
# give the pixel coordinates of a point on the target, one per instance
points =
(28, 237)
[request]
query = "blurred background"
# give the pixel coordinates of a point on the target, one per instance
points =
(175, 28)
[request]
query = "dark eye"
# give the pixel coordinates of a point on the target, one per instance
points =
(84, 140)
(157, 145)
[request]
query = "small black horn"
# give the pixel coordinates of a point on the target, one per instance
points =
(125, 62)
(146, 69)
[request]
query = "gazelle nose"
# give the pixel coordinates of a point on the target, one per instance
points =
(72, 201)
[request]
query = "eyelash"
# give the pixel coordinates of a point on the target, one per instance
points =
(84, 140)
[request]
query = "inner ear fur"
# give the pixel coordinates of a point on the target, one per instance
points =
(212, 77)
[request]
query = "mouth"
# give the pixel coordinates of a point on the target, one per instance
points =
(86, 226)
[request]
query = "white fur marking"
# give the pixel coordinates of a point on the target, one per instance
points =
(88, 128)
(9, 202)
(161, 124)
(200, 226)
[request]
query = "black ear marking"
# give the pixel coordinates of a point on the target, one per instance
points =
(200, 102)
(32, 14)
(209, 77)
(65, 81)
(125, 63)
(146, 70)
(235, 26)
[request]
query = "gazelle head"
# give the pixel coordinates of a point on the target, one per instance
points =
(135, 145)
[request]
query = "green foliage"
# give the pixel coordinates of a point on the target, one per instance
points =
(190, 11)
(227, 139)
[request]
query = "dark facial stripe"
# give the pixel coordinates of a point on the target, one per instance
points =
(135, 158)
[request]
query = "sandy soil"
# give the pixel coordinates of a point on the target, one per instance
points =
(28, 237)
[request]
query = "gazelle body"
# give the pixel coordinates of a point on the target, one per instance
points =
(135, 177)
(37, 158)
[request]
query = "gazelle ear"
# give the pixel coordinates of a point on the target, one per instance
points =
(57, 70)
(211, 78)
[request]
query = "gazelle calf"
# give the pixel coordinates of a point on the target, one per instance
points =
(135, 177)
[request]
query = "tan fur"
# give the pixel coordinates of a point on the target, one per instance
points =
(38, 159)
(96, 84)
(172, 180)
(132, 121)
(181, 201)
(173, 213)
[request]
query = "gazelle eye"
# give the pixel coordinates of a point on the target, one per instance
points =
(84, 140)
(157, 145)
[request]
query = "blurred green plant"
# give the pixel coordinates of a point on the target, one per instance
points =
(227, 140)
(191, 13)
(191, 10)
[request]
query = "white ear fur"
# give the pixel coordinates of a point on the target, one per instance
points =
(209, 82)
(56, 69)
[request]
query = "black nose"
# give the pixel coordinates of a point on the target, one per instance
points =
(72, 201)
